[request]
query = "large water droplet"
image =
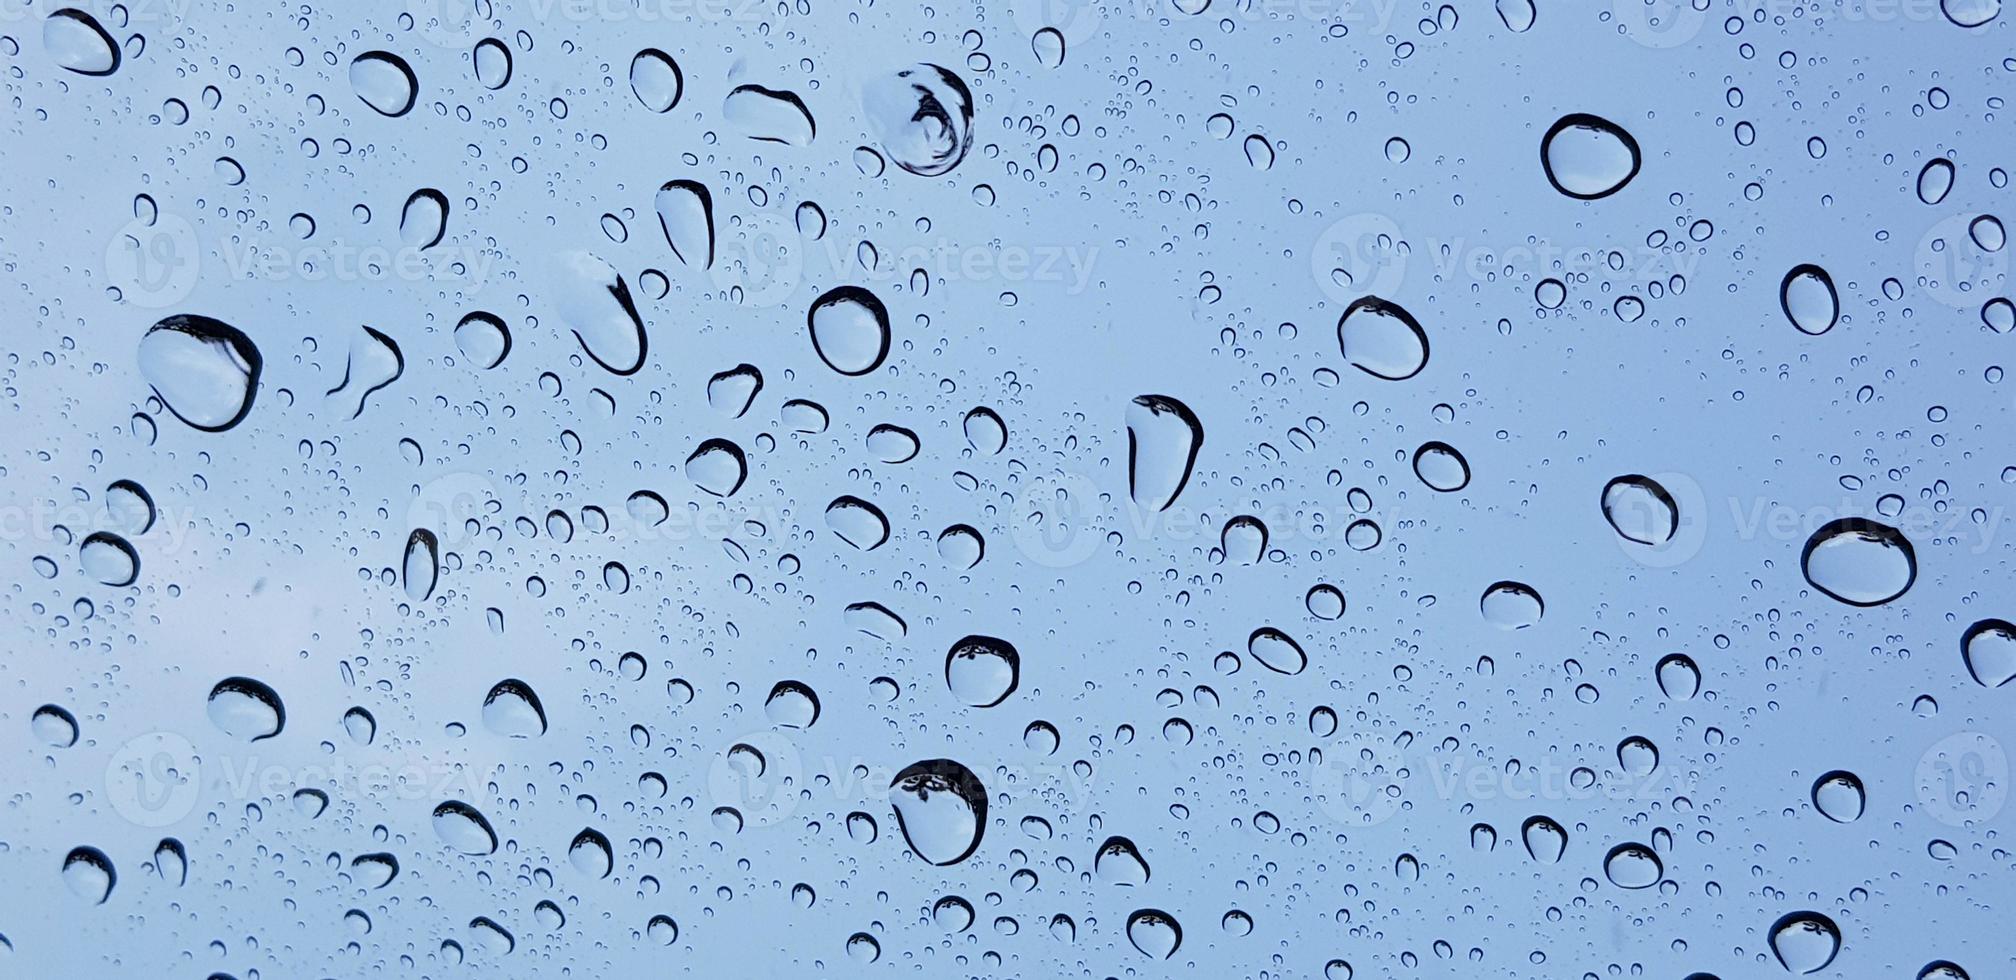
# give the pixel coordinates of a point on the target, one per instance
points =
(1382, 339)
(590, 853)
(54, 725)
(595, 303)
(1859, 561)
(246, 709)
(1935, 180)
(385, 82)
(374, 362)
(1518, 15)
(941, 809)
(1808, 298)
(718, 467)
(656, 80)
(792, 704)
(1276, 651)
(1839, 796)
(421, 567)
(206, 371)
(1587, 157)
(424, 219)
(1545, 839)
(1989, 649)
(982, 671)
(75, 40)
(1640, 510)
(109, 558)
(1155, 933)
(1678, 677)
(1163, 437)
(686, 215)
(1805, 942)
(769, 115)
(89, 874)
(922, 116)
(511, 709)
(1441, 467)
(483, 339)
(1970, 13)
(493, 63)
(1633, 866)
(857, 522)
(1511, 605)
(1119, 862)
(461, 827)
(850, 330)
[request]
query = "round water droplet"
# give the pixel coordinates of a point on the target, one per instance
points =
(1970, 13)
(1633, 866)
(1119, 862)
(1637, 756)
(54, 725)
(493, 63)
(1839, 796)
(1511, 605)
(206, 371)
(1588, 157)
(1441, 467)
(246, 709)
(1155, 933)
(961, 546)
(1545, 840)
(718, 467)
(792, 704)
(1805, 942)
(1640, 510)
(1324, 602)
(89, 874)
(1048, 45)
(129, 507)
(1678, 677)
(857, 522)
(1860, 562)
(109, 559)
(982, 671)
(483, 339)
(922, 116)
(1382, 339)
(590, 853)
(941, 808)
(850, 330)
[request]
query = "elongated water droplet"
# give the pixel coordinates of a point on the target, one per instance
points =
(1163, 437)
(595, 303)
(421, 567)
(731, 392)
(892, 444)
(129, 507)
(1545, 840)
(1276, 651)
(686, 216)
(1518, 15)
(590, 853)
(1048, 45)
(424, 219)
(171, 861)
(1678, 677)
(1935, 180)
(374, 362)
(493, 63)
(1970, 13)
(769, 115)
(1441, 467)
(109, 559)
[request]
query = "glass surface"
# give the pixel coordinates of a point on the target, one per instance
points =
(1224, 488)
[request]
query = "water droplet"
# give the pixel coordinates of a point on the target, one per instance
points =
(493, 63)
(76, 41)
(512, 710)
(109, 559)
(1382, 339)
(385, 82)
(792, 704)
(718, 467)
(483, 339)
(686, 216)
(941, 809)
(1441, 467)
(850, 330)
(421, 567)
(246, 709)
(1119, 862)
(769, 115)
(1640, 510)
(1276, 651)
(982, 671)
(595, 303)
(1970, 13)
(1678, 677)
(1163, 437)
(656, 80)
(590, 854)
(89, 874)
(1155, 933)
(1805, 942)
(1633, 866)
(1839, 796)
(1935, 180)
(54, 725)
(1048, 44)
(1518, 15)
(1588, 157)
(857, 522)
(424, 219)
(1808, 298)
(461, 827)
(1545, 840)
(961, 546)
(922, 116)
(1511, 605)
(1989, 649)
(206, 371)
(1860, 562)
(129, 507)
